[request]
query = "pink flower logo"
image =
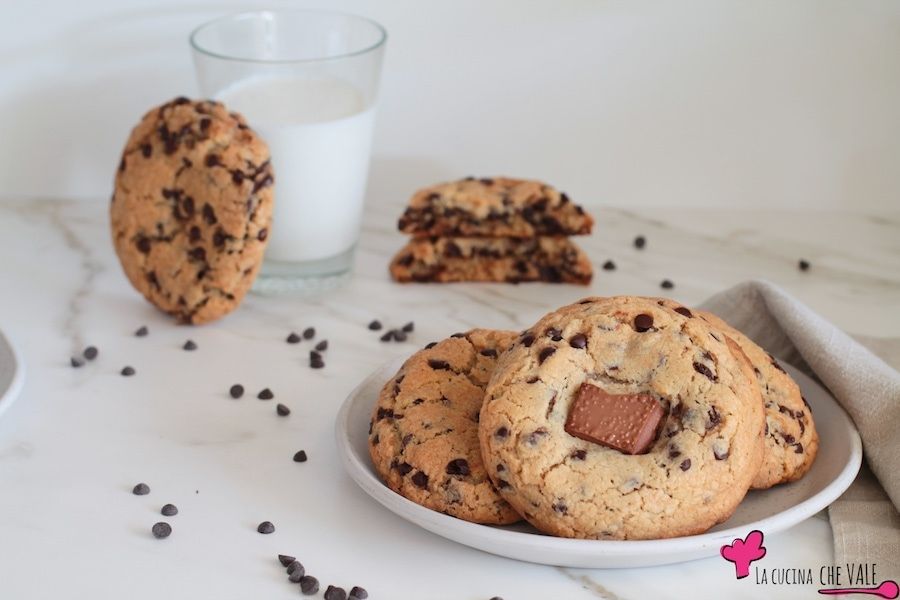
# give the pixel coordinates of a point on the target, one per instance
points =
(742, 552)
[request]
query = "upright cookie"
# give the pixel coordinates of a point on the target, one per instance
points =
(509, 260)
(498, 207)
(791, 441)
(192, 208)
(619, 418)
(423, 437)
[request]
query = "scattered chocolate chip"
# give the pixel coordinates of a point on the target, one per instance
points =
(265, 394)
(322, 346)
(408, 328)
(399, 335)
(643, 322)
(704, 370)
(294, 566)
(334, 593)
(579, 340)
(387, 337)
(609, 266)
(458, 466)
(804, 265)
(141, 489)
(502, 432)
(681, 310)
(375, 325)
(640, 241)
(169, 510)
(266, 528)
(161, 530)
(685, 464)
(285, 559)
(90, 352)
(297, 575)
(127, 371)
(300, 456)
(545, 353)
(315, 361)
(420, 479)
(189, 345)
(141, 331)
(76, 362)
(293, 338)
(666, 284)
(309, 585)
(358, 593)
(309, 333)
(282, 410)
(236, 391)
(438, 365)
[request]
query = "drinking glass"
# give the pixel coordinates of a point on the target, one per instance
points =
(307, 83)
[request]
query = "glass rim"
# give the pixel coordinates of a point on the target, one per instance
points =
(382, 33)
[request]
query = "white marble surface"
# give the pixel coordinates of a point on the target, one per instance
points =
(78, 440)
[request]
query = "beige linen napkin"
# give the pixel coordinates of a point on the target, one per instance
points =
(865, 521)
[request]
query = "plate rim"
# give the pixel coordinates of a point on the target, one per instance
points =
(375, 488)
(14, 389)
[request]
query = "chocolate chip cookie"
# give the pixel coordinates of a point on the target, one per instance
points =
(423, 437)
(496, 207)
(572, 470)
(510, 260)
(192, 208)
(791, 441)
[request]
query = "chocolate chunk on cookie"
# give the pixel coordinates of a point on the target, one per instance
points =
(510, 260)
(192, 208)
(497, 207)
(423, 438)
(675, 448)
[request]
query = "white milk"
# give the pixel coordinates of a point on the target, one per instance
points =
(319, 133)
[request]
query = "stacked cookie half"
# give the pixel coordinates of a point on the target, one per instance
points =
(611, 418)
(501, 230)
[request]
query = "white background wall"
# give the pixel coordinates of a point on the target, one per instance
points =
(773, 103)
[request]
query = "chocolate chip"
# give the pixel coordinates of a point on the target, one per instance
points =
(609, 266)
(430, 345)
(127, 371)
(297, 574)
(189, 345)
(399, 336)
(640, 241)
(491, 352)
(263, 234)
(674, 452)
(502, 432)
(309, 333)
(387, 337)
(294, 566)
(76, 362)
(266, 528)
(458, 466)
(197, 253)
(560, 507)
(358, 593)
(409, 327)
(643, 322)
(666, 284)
(300, 456)
(237, 177)
(143, 245)
(798, 448)
(579, 454)
(486, 180)
(285, 559)
(528, 340)
(293, 338)
(334, 593)
(404, 468)
(309, 585)
(141, 489)
(804, 265)
(322, 346)
(236, 391)
(141, 331)
(685, 464)
(169, 510)
(704, 370)
(788, 438)
(420, 479)
(458, 334)
(209, 215)
(282, 410)
(205, 122)
(90, 352)
(714, 418)
(579, 340)
(146, 150)
(375, 325)
(315, 361)
(438, 365)
(681, 310)
(161, 530)
(265, 394)
(545, 353)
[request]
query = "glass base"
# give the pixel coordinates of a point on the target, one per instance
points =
(306, 278)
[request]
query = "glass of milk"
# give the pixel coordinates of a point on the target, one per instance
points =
(306, 81)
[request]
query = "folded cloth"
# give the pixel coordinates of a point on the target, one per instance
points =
(865, 520)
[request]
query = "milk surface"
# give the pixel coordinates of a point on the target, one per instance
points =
(320, 134)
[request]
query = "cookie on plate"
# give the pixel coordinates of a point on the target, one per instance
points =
(498, 207)
(423, 437)
(620, 418)
(509, 260)
(791, 441)
(192, 208)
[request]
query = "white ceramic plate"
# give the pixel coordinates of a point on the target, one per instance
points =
(12, 373)
(770, 511)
